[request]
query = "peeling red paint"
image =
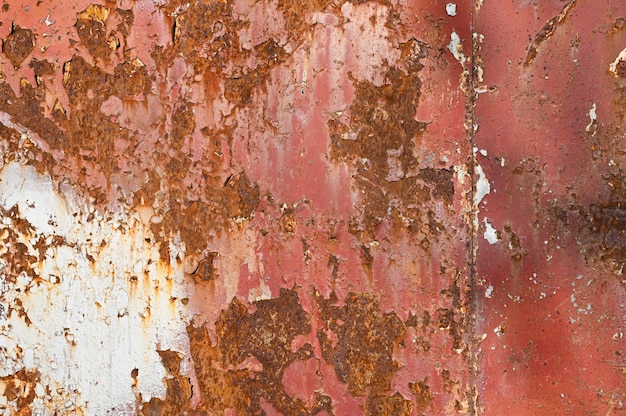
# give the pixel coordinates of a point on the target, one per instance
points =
(301, 190)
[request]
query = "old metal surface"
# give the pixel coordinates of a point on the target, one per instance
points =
(321, 207)
(220, 207)
(550, 117)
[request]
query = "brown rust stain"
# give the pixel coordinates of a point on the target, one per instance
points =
(452, 318)
(18, 45)
(595, 220)
(236, 200)
(208, 36)
(206, 270)
(92, 31)
(183, 124)
(244, 366)
(98, 151)
(604, 223)
(412, 53)
(365, 341)
(295, 13)
(514, 243)
(19, 258)
(389, 405)
(240, 367)
(379, 142)
(238, 90)
(25, 110)
(19, 391)
(85, 135)
(213, 25)
(547, 31)
(421, 391)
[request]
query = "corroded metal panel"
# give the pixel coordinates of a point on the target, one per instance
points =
(314, 207)
(236, 207)
(550, 141)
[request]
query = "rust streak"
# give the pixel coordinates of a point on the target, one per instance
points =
(546, 32)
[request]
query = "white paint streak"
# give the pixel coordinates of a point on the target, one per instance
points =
(482, 185)
(100, 301)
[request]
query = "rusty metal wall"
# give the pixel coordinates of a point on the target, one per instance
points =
(322, 207)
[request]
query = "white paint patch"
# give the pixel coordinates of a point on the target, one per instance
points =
(456, 48)
(35, 198)
(481, 151)
(99, 301)
(482, 185)
(489, 291)
(451, 9)
(620, 58)
(461, 173)
(490, 234)
(592, 117)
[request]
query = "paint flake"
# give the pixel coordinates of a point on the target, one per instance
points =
(490, 234)
(456, 47)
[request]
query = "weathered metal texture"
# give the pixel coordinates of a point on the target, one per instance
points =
(550, 139)
(237, 207)
(313, 207)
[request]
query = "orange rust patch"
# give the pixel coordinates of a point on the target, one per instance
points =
(206, 270)
(19, 390)
(97, 36)
(602, 224)
(236, 200)
(92, 31)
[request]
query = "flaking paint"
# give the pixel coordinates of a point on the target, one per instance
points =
(263, 206)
